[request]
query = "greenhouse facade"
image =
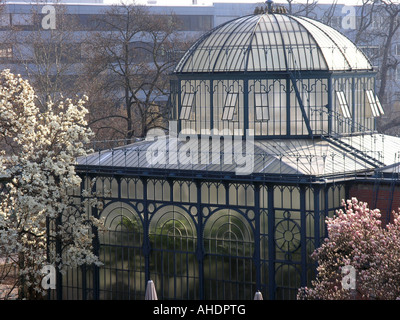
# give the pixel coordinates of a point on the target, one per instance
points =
(272, 125)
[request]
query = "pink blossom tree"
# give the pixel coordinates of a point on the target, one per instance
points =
(357, 238)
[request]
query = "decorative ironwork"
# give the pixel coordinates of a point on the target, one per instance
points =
(288, 234)
(198, 230)
(202, 240)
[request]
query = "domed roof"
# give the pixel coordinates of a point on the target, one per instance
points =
(272, 42)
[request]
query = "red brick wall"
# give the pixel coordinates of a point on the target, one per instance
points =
(365, 192)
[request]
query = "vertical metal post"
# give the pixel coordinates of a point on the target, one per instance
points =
(199, 249)
(211, 105)
(96, 251)
(257, 237)
(271, 243)
(317, 213)
(245, 105)
(146, 239)
(59, 276)
(353, 104)
(288, 127)
(96, 269)
(48, 249)
(303, 238)
(326, 209)
(330, 106)
(179, 121)
(302, 108)
(84, 282)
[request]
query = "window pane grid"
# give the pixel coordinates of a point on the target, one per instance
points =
(261, 104)
(187, 103)
(230, 106)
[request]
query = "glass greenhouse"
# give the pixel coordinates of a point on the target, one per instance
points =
(273, 122)
(277, 75)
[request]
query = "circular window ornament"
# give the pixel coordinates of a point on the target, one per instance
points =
(287, 234)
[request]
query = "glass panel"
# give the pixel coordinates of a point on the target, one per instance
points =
(231, 99)
(344, 108)
(261, 100)
(262, 113)
(188, 99)
(228, 105)
(374, 104)
(185, 112)
(187, 103)
(122, 275)
(351, 53)
(378, 104)
(174, 268)
(212, 193)
(371, 111)
(231, 112)
(266, 36)
(259, 113)
(287, 280)
(229, 246)
(228, 113)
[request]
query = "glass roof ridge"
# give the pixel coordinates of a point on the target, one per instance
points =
(252, 37)
(283, 41)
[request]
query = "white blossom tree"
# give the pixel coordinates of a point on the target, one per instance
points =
(38, 173)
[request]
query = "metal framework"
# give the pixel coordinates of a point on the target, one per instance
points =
(272, 43)
(198, 229)
(211, 234)
(201, 239)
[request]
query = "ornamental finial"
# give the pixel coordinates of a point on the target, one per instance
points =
(269, 6)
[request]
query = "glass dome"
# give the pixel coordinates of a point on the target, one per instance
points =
(272, 42)
(274, 75)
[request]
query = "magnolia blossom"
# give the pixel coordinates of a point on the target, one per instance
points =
(357, 238)
(37, 212)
